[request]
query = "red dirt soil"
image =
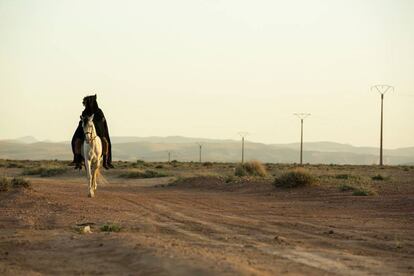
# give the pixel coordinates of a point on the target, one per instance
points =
(203, 230)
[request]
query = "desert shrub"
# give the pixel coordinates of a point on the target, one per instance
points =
(11, 165)
(175, 163)
(343, 176)
(251, 168)
(360, 192)
(120, 164)
(199, 181)
(208, 164)
(139, 164)
(142, 174)
(346, 187)
(152, 174)
(379, 177)
(19, 182)
(45, 171)
(293, 179)
(240, 171)
(15, 182)
(110, 227)
(230, 179)
(159, 167)
(353, 179)
(4, 184)
(360, 186)
(32, 171)
(364, 191)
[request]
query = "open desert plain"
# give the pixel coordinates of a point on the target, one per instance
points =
(200, 219)
(227, 137)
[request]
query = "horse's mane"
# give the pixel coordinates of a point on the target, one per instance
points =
(91, 105)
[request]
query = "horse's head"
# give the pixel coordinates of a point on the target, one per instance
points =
(88, 128)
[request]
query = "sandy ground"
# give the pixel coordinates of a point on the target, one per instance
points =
(195, 231)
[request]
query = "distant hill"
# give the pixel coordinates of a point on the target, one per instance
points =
(186, 149)
(35, 151)
(337, 147)
(23, 140)
(168, 139)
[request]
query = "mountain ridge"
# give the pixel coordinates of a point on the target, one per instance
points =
(155, 148)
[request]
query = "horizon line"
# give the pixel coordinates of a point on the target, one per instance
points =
(218, 139)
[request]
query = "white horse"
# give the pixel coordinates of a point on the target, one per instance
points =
(91, 152)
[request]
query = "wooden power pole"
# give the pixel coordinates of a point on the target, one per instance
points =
(302, 117)
(382, 89)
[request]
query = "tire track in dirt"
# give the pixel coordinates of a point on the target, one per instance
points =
(309, 231)
(231, 232)
(251, 239)
(178, 229)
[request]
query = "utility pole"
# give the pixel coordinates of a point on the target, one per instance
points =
(169, 156)
(302, 117)
(200, 146)
(382, 89)
(243, 136)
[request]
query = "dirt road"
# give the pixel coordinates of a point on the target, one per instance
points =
(191, 231)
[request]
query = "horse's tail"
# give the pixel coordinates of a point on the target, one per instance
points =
(101, 178)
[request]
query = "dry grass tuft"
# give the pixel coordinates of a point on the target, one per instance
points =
(45, 171)
(294, 179)
(251, 168)
(208, 164)
(380, 177)
(110, 227)
(358, 185)
(16, 182)
(4, 184)
(142, 174)
(19, 182)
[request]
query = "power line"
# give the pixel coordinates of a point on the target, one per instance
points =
(382, 89)
(301, 116)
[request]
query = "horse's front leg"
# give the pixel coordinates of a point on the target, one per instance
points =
(89, 176)
(95, 172)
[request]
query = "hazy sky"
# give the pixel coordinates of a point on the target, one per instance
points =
(209, 68)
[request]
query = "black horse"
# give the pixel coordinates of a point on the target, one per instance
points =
(91, 107)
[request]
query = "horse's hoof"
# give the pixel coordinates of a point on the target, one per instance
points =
(91, 195)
